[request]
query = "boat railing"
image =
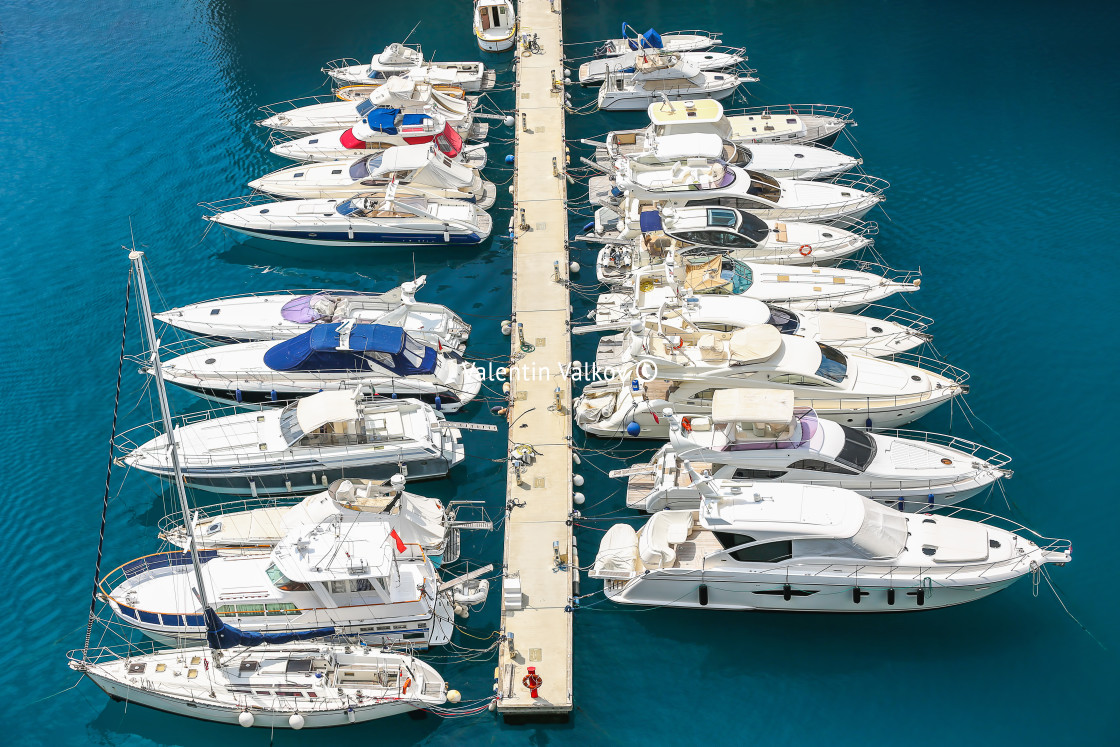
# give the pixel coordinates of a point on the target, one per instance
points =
(256, 199)
(833, 111)
(280, 107)
(888, 273)
(905, 317)
(340, 63)
(841, 404)
(279, 137)
(932, 365)
(173, 522)
(864, 182)
(981, 452)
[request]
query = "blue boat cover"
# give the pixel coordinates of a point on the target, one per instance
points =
(316, 350)
(414, 119)
(385, 120)
(220, 635)
(649, 221)
(649, 40)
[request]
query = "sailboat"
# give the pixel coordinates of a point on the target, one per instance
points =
(275, 680)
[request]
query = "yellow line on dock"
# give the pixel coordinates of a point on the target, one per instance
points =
(537, 532)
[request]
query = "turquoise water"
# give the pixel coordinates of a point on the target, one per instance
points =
(993, 123)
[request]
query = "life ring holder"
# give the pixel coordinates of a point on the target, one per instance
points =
(805, 250)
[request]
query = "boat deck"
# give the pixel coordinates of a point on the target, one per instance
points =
(538, 540)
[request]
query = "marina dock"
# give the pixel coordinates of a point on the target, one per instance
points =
(539, 560)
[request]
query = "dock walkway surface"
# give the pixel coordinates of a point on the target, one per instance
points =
(538, 537)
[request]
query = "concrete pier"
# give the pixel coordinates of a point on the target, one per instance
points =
(538, 539)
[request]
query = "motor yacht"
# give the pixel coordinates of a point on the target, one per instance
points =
(670, 41)
(379, 135)
(386, 360)
(358, 578)
(283, 314)
(816, 124)
(302, 447)
(812, 548)
(495, 25)
(417, 169)
(401, 59)
(683, 372)
(755, 435)
(385, 218)
(660, 75)
(594, 72)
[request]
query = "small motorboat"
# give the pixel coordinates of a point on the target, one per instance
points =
(269, 685)
(365, 139)
(402, 59)
(863, 335)
(759, 435)
(703, 182)
(814, 548)
(779, 160)
(794, 286)
(367, 220)
(417, 169)
(671, 41)
(712, 230)
(495, 25)
(816, 124)
(264, 522)
(302, 447)
(385, 360)
(358, 577)
(385, 106)
(594, 72)
(683, 372)
(284, 314)
(665, 76)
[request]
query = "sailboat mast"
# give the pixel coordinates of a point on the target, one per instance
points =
(165, 415)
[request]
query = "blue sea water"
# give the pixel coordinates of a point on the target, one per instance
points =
(993, 123)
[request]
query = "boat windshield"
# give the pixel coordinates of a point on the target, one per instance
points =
(365, 167)
(753, 227)
(349, 207)
(413, 352)
(858, 449)
(764, 186)
(364, 107)
(785, 320)
(289, 424)
(282, 582)
(834, 364)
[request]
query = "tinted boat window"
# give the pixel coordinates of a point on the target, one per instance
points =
(721, 217)
(858, 450)
(767, 552)
(834, 364)
(786, 321)
(815, 465)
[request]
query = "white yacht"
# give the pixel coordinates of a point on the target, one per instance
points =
(264, 522)
(283, 314)
(779, 160)
(385, 131)
(810, 548)
(386, 104)
(683, 372)
(385, 218)
(759, 435)
(495, 25)
(402, 59)
(357, 577)
(702, 182)
(817, 124)
(793, 286)
(417, 169)
(660, 75)
(386, 360)
(302, 447)
(291, 686)
(863, 335)
(670, 41)
(594, 72)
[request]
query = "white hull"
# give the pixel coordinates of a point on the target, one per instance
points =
(639, 99)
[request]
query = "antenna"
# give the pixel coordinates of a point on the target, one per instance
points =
(411, 32)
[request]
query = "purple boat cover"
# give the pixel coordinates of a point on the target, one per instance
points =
(809, 427)
(299, 310)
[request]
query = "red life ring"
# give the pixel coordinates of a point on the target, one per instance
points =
(805, 250)
(532, 681)
(686, 425)
(679, 345)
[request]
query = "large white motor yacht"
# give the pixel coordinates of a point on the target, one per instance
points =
(302, 447)
(282, 314)
(357, 577)
(594, 72)
(386, 360)
(810, 548)
(404, 59)
(660, 75)
(380, 135)
(670, 41)
(760, 435)
(683, 372)
(417, 169)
